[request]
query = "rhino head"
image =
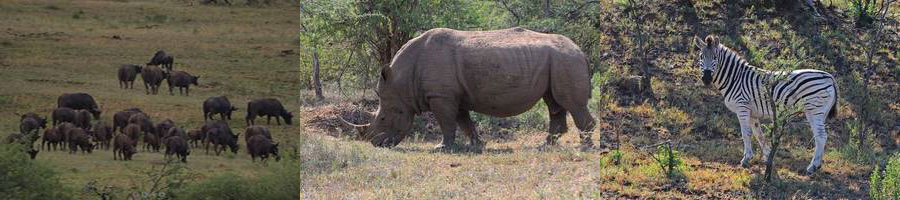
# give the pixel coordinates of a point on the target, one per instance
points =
(394, 118)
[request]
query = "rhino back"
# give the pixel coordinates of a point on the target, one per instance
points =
(501, 73)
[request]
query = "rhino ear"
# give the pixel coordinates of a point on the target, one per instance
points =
(385, 73)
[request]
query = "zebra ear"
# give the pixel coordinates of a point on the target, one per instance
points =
(712, 40)
(699, 43)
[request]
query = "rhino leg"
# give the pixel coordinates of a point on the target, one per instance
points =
(445, 111)
(468, 126)
(585, 124)
(557, 120)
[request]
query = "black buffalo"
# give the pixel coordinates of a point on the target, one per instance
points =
(217, 105)
(267, 107)
(178, 146)
(183, 81)
(127, 75)
(79, 101)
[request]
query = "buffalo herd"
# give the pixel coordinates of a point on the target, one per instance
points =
(76, 126)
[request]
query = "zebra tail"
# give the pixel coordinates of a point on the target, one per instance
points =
(833, 111)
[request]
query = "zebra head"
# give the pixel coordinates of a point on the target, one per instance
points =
(708, 56)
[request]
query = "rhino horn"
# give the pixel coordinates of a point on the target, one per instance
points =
(360, 128)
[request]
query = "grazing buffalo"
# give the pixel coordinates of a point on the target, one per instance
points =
(498, 73)
(123, 147)
(102, 134)
(133, 131)
(52, 138)
(260, 146)
(41, 121)
(120, 119)
(62, 114)
(163, 127)
(214, 124)
(127, 75)
(28, 125)
(151, 142)
(267, 107)
(79, 101)
(221, 138)
(182, 80)
(195, 137)
(144, 121)
(64, 130)
(217, 105)
(177, 145)
(153, 77)
(82, 119)
(79, 138)
(175, 131)
(256, 130)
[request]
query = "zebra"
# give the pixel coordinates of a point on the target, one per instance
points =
(741, 84)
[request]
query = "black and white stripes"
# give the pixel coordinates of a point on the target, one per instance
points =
(747, 91)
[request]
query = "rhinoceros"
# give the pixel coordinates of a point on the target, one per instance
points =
(499, 73)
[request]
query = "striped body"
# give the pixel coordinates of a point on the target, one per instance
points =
(747, 91)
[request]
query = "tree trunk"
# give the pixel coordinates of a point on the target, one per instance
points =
(316, 81)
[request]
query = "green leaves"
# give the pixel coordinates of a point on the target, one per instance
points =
(885, 183)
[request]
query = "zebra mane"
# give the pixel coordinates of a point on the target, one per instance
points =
(749, 65)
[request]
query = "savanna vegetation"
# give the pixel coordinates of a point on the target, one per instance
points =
(665, 135)
(660, 133)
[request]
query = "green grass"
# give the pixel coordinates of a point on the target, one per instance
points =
(47, 51)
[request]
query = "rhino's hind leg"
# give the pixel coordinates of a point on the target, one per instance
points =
(558, 124)
(468, 126)
(585, 124)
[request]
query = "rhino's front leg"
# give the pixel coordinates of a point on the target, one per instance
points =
(445, 111)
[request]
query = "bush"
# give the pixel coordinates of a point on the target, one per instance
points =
(22, 178)
(886, 183)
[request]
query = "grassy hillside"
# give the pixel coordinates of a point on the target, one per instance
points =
(51, 47)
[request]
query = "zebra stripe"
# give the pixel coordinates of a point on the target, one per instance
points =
(747, 91)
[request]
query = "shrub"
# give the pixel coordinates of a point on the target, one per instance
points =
(885, 184)
(22, 178)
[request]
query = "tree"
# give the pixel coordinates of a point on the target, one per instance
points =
(874, 44)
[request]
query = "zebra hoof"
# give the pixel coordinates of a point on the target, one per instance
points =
(745, 163)
(812, 169)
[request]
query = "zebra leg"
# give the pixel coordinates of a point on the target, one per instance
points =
(764, 144)
(746, 131)
(816, 118)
